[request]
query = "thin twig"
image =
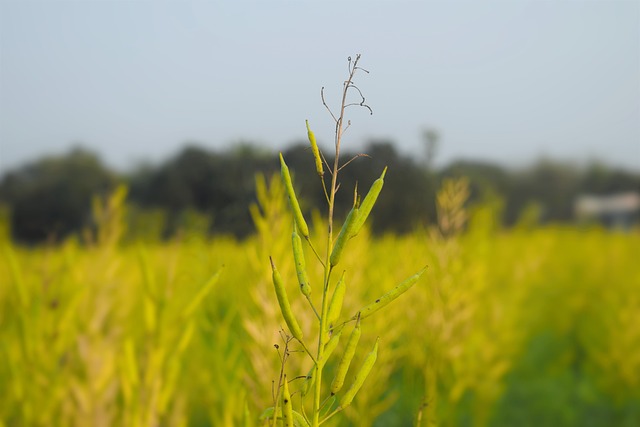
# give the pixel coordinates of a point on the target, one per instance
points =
(308, 352)
(325, 104)
(358, 89)
(326, 195)
(314, 250)
(313, 307)
(285, 354)
(330, 415)
(353, 158)
(326, 163)
(343, 324)
(362, 101)
(326, 400)
(360, 104)
(347, 127)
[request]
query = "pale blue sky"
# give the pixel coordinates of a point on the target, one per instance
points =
(503, 81)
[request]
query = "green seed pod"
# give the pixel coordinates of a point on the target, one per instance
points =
(362, 375)
(368, 202)
(315, 150)
(308, 382)
(331, 346)
(301, 269)
(328, 406)
(345, 234)
(390, 296)
(293, 201)
(347, 356)
(287, 405)
(335, 306)
(283, 301)
(299, 420)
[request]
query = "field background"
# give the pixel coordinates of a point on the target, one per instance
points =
(535, 325)
(139, 208)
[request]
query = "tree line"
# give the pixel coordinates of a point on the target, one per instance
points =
(50, 198)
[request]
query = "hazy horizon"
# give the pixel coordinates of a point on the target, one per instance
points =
(502, 82)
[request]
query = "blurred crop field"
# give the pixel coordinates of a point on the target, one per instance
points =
(530, 326)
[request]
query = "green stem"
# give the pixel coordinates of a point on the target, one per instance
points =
(331, 415)
(320, 362)
(327, 264)
(308, 352)
(325, 290)
(314, 251)
(313, 307)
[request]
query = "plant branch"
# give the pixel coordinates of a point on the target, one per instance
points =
(283, 361)
(353, 158)
(327, 266)
(313, 307)
(314, 250)
(330, 415)
(326, 106)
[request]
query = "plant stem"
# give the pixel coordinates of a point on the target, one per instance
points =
(313, 308)
(327, 265)
(331, 415)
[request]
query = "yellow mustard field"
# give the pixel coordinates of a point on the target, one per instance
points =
(530, 326)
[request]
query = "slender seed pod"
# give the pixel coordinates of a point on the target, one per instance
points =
(315, 150)
(287, 405)
(299, 420)
(301, 269)
(362, 375)
(335, 306)
(368, 202)
(328, 406)
(345, 234)
(283, 301)
(347, 356)
(308, 382)
(390, 296)
(293, 201)
(331, 346)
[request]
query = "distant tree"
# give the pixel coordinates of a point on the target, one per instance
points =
(483, 176)
(600, 179)
(220, 185)
(51, 198)
(553, 185)
(431, 139)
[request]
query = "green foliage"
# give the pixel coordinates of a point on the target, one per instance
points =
(530, 326)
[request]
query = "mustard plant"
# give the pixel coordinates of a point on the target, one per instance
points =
(290, 407)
